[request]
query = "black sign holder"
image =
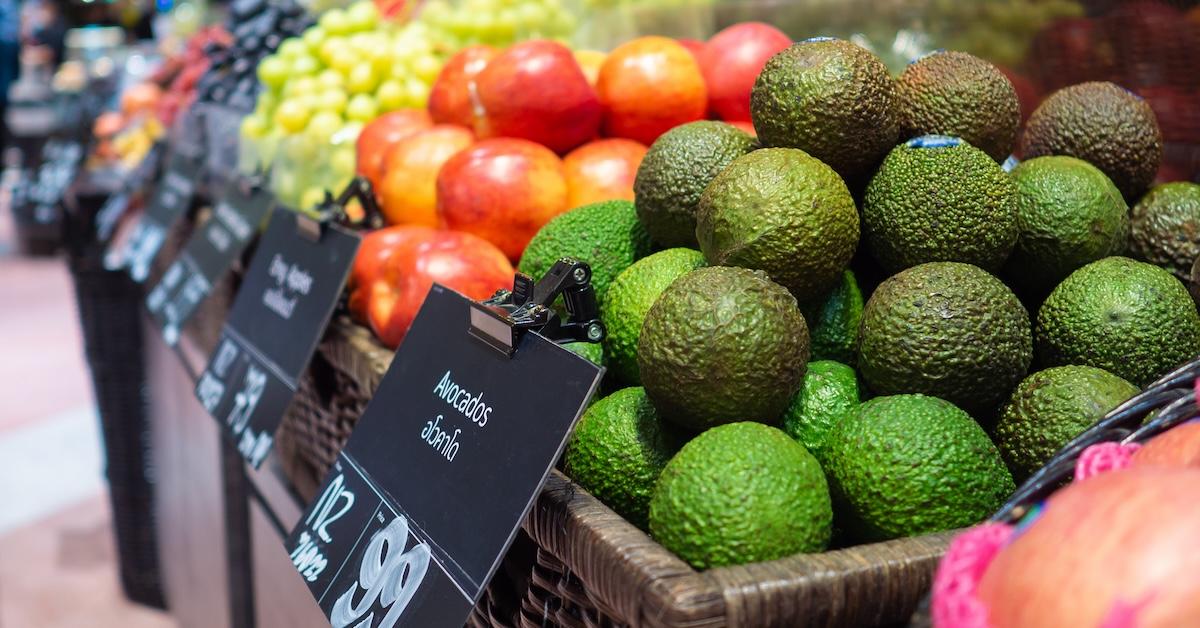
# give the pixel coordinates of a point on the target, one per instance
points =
(208, 254)
(441, 470)
(287, 296)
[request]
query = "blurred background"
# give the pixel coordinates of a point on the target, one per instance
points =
(88, 86)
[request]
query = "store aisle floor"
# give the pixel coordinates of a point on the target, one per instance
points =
(58, 566)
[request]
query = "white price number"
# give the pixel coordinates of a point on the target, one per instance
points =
(388, 574)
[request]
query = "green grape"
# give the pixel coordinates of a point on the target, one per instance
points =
(305, 65)
(362, 79)
(322, 125)
(391, 95)
(291, 48)
(427, 67)
(335, 22)
(273, 72)
(332, 99)
(313, 38)
(362, 108)
(330, 78)
(291, 116)
(363, 16)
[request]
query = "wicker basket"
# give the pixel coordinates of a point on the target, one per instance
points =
(594, 569)
(109, 305)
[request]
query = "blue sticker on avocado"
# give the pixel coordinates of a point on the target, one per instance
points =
(821, 38)
(1010, 163)
(933, 141)
(927, 54)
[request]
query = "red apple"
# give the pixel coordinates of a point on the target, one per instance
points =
(408, 182)
(536, 90)
(378, 137)
(731, 62)
(375, 247)
(502, 190)
(422, 256)
(602, 170)
(450, 97)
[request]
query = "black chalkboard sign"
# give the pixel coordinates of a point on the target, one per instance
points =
(170, 202)
(115, 207)
(207, 255)
(281, 310)
(439, 473)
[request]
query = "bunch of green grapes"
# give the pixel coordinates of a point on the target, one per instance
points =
(497, 22)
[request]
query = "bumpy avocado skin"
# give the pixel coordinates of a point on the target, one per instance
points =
(741, 493)
(907, 465)
(1069, 214)
(1050, 408)
(949, 330)
(940, 203)
(721, 345)
(959, 94)
(675, 171)
(1103, 124)
(618, 450)
(828, 392)
(1132, 319)
(1166, 227)
(629, 298)
(830, 98)
(781, 211)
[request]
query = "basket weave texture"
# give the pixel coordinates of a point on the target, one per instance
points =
(590, 567)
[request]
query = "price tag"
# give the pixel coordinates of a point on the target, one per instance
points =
(117, 205)
(439, 473)
(207, 255)
(40, 197)
(170, 202)
(281, 310)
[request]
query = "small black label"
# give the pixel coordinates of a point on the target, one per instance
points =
(207, 255)
(281, 310)
(169, 203)
(439, 473)
(118, 203)
(36, 198)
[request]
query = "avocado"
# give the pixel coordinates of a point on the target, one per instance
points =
(958, 94)
(606, 235)
(945, 329)
(741, 493)
(907, 465)
(675, 171)
(781, 211)
(830, 98)
(828, 392)
(1050, 408)
(1166, 227)
(939, 199)
(630, 297)
(834, 321)
(618, 450)
(1103, 124)
(1069, 214)
(721, 345)
(1129, 318)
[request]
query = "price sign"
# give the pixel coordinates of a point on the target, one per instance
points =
(207, 255)
(439, 473)
(114, 208)
(170, 202)
(281, 310)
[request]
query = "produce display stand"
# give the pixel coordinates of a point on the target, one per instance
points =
(592, 567)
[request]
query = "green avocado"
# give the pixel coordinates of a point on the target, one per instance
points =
(1050, 408)
(1132, 319)
(721, 345)
(1069, 214)
(618, 450)
(606, 235)
(630, 297)
(1103, 124)
(959, 94)
(830, 98)
(939, 199)
(675, 171)
(741, 493)
(1166, 227)
(945, 329)
(828, 392)
(783, 212)
(907, 465)
(834, 321)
